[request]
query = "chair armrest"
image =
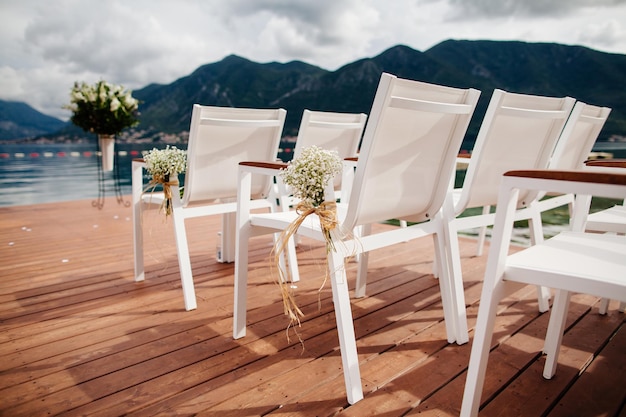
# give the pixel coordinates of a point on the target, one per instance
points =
(350, 162)
(599, 177)
(600, 183)
(610, 163)
(262, 168)
(260, 164)
(139, 162)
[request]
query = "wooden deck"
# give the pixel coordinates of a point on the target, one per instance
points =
(79, 337)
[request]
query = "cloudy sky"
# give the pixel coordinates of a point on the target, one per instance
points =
(46, 45)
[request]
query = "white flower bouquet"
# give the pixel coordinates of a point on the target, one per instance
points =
(310, 172)
(308, 175)
(164, 165)
(161, 163)
(102, 108)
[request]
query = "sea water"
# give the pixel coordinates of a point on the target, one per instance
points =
(37, 173)
(47, 173)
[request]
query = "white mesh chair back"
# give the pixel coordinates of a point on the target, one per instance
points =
(220, 138)
(409, 149)
(579, 135)
(519, 131)
(339, 132)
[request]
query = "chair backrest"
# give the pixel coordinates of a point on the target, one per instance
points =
(220, 138)
(339, 132)
(519, 131)
(578, 137)
(407, 157)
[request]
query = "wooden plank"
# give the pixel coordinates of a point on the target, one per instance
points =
(81, 337)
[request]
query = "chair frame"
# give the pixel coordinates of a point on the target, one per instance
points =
(188, 207)
(358, 213)
(505, 273)
(550, 115)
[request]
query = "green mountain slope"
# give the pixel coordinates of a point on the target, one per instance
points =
(19, 120)
(533, 68)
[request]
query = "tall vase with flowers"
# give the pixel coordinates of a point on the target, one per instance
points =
(104, 109)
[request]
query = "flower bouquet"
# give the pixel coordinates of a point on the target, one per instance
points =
(307, 176)
(164, 165)
(104, 109)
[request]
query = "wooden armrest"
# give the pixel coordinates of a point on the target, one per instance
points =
(270, 165)
(612, 163)
(352, 159)
(138, 160)
(575, 176)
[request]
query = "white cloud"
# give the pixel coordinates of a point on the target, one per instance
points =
(47, 45)
(526, 8)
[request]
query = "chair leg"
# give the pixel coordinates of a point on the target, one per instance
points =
(363, 260)
(288, 261)
(604, 306)
(182, 248)
(241, 285)
(481, 345)
(435, 268)
(345, 328)
(536, 237)
(242, 236)
(452, 292)
(137, 190)
(450, 270)
(227, 237)
(482, 234)
(554, 334)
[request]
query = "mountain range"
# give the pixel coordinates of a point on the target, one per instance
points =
(19, 120)
(533, 68)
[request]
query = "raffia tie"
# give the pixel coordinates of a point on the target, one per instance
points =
(167, 183)
(327, 214)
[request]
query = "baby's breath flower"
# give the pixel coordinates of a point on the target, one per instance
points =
(164, 165)
(309, 173)
(169, 161)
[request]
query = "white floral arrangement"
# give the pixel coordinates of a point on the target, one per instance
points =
(164, 165)
(102, 108)
(307, 175)
(310, 172)
(170, 161)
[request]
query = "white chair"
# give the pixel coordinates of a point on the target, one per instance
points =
(572, 261)
(519, 131)
(405, 163)
(219, 138)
